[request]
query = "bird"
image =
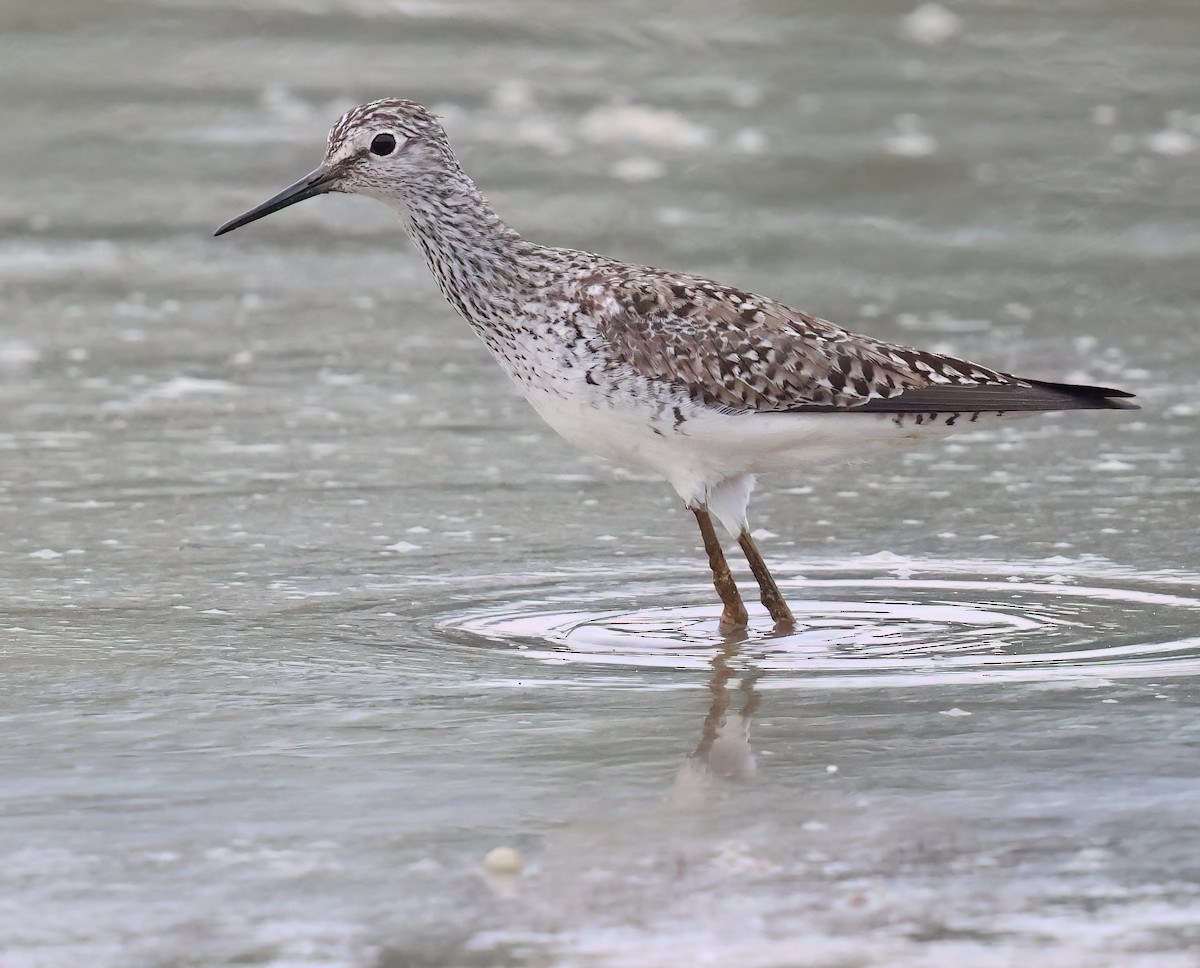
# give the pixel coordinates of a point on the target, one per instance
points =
(704, 384)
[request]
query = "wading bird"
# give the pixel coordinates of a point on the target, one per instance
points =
(702, 383)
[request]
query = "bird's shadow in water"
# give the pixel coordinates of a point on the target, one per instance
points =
(723, 753)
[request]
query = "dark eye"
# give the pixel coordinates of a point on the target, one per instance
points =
(383, 144)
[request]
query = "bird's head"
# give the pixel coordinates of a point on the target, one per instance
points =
(382, 149)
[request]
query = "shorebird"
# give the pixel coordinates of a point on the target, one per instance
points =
(704, 384)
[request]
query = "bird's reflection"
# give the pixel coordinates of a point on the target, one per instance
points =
(723, 754)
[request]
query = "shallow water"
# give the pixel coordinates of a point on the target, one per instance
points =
(304, 612)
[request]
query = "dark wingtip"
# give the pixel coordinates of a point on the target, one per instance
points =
(1088, 397)
(1019, 396)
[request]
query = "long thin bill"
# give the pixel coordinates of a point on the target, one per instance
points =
(314, 183)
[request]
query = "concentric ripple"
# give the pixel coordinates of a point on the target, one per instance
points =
(883, 621)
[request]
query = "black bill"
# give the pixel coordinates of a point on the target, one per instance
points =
(314, 183)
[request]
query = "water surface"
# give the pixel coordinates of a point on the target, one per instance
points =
(304, 611)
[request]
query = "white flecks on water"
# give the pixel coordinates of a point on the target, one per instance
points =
(18, 353)
(930, 23)
(749, 141)
(504, 860)
(909, 139)
(179, 387)
(642, 124)
(1180, 136)
(239, 730)
(638, 168)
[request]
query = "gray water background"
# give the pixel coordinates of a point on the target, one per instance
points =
(304, 611)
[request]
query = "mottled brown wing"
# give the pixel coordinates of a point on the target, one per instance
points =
(737, 351)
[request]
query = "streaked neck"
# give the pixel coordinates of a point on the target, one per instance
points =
(475, 258)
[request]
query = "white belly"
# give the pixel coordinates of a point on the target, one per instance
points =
(708, 447)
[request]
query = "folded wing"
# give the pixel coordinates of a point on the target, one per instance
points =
(736, 351)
